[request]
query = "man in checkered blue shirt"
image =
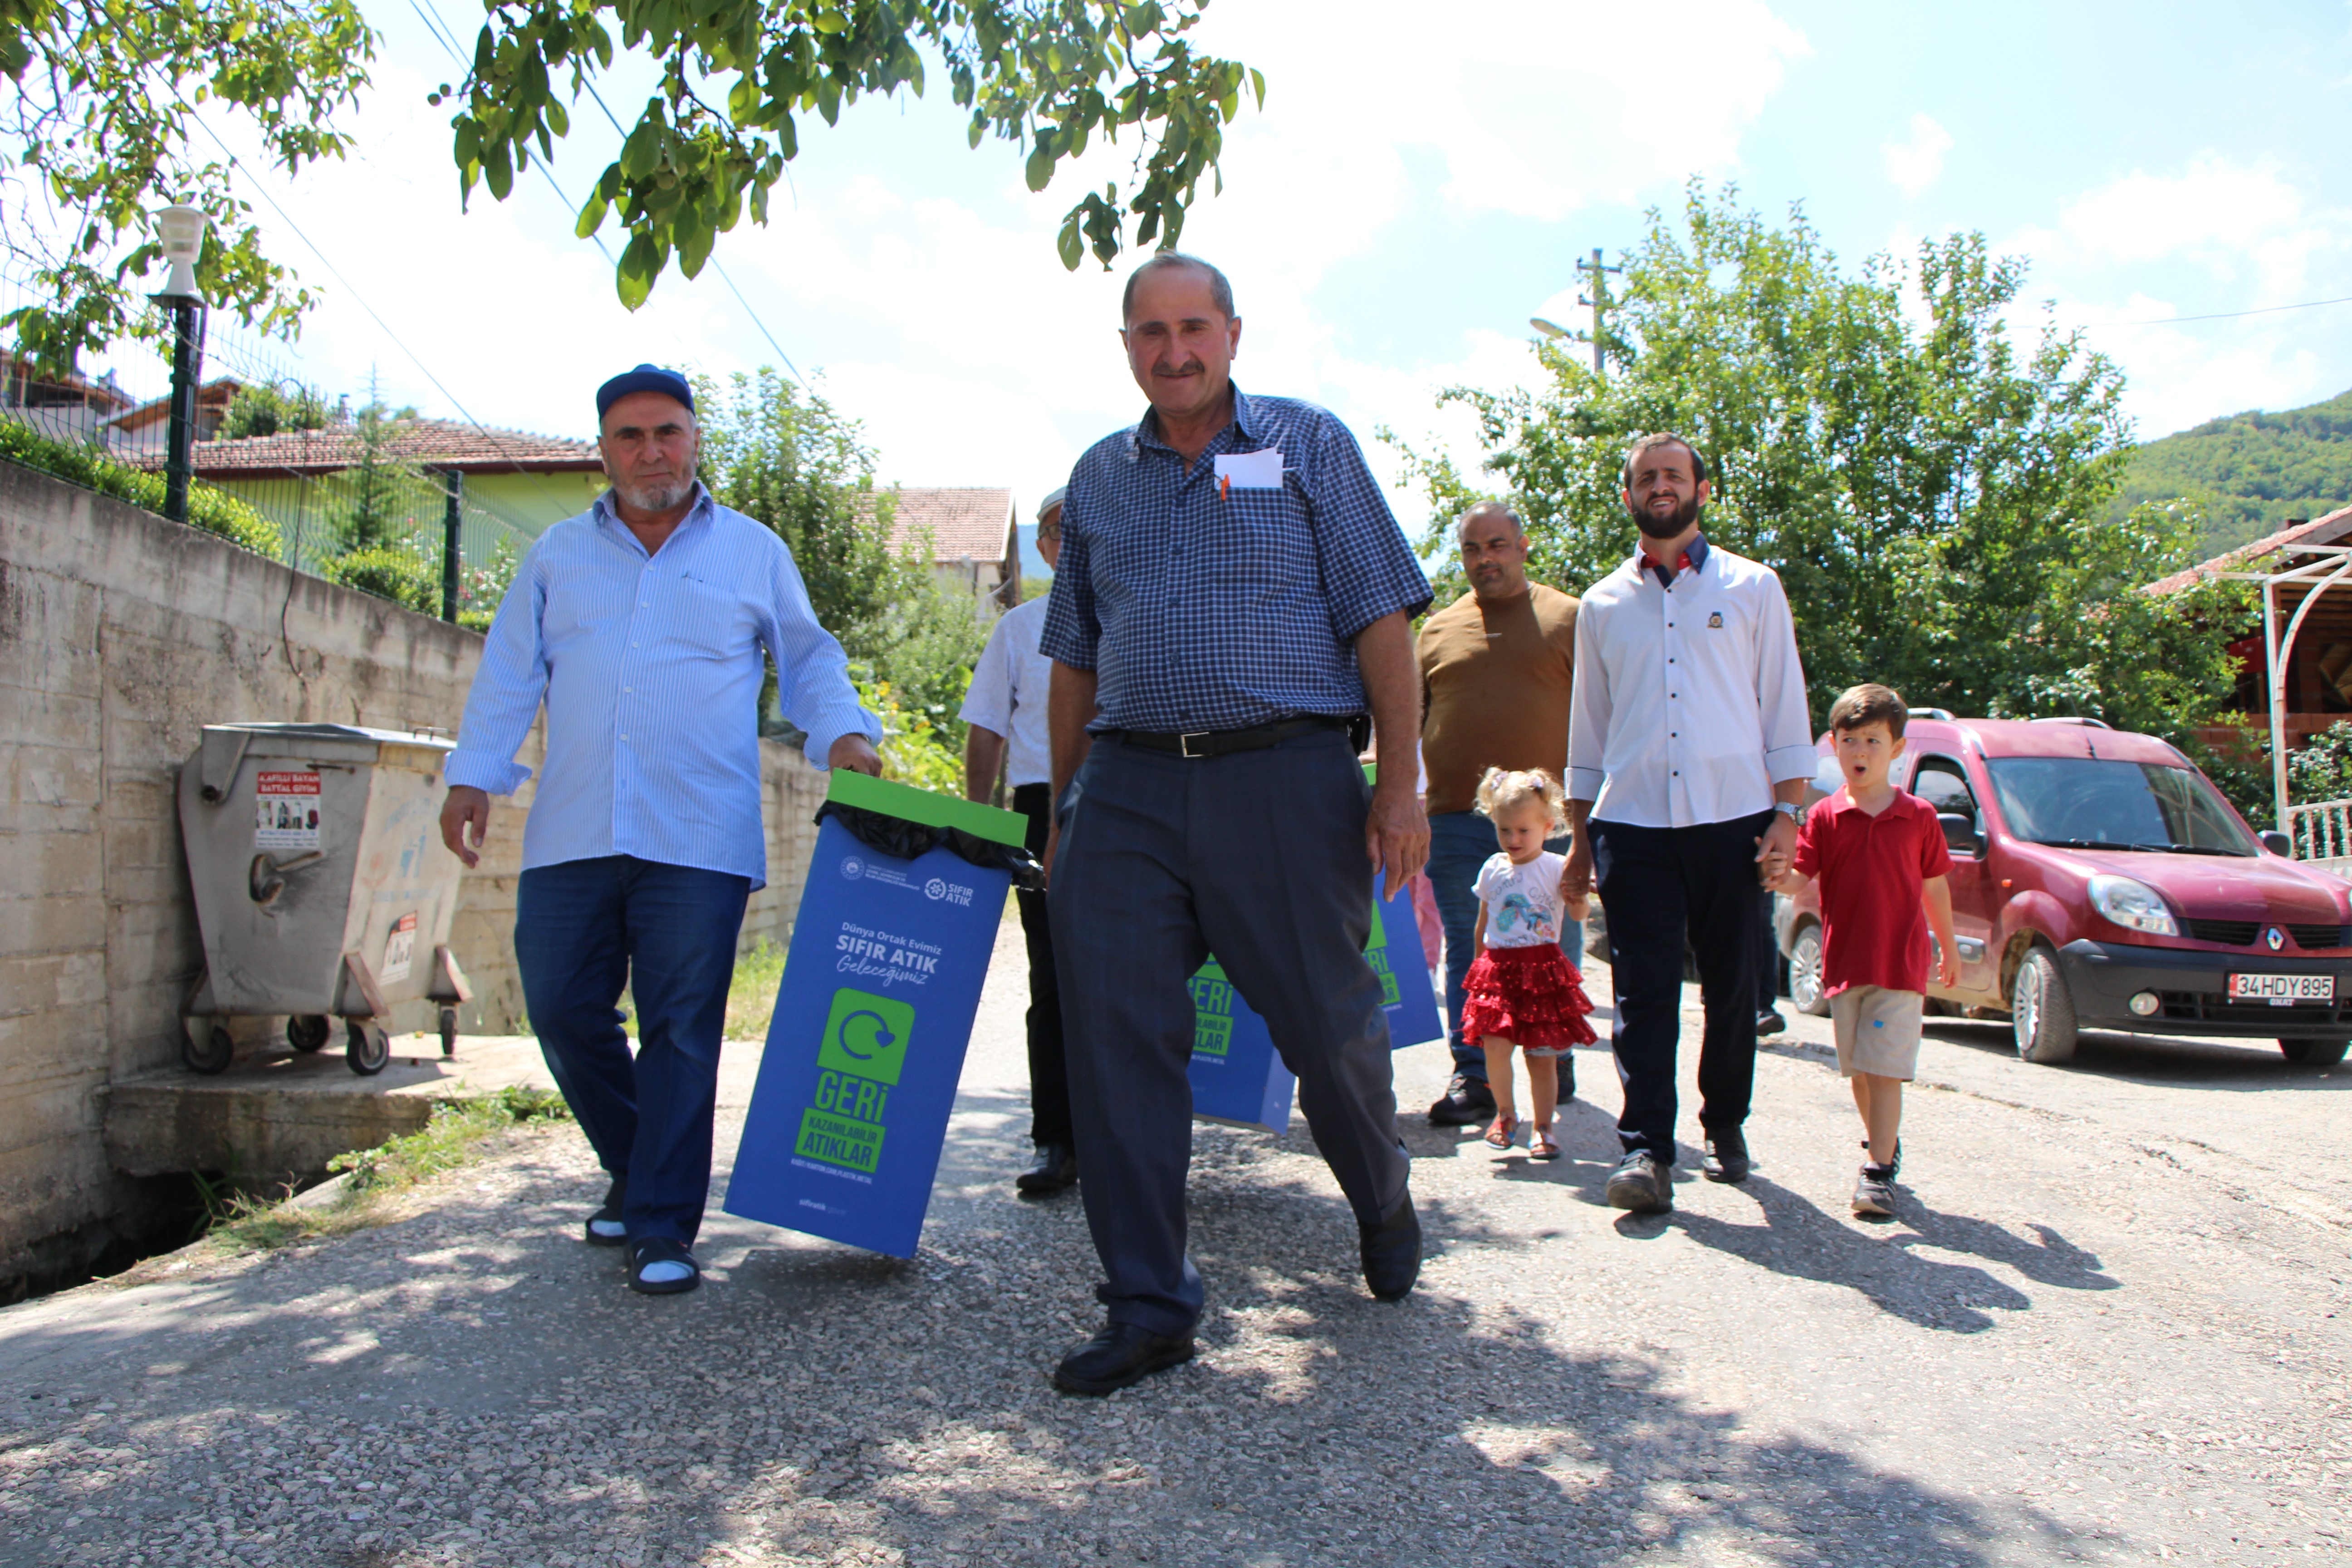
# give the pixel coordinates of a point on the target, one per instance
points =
(1232, 596)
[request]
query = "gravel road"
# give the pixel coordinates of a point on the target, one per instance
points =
(2105, 1329)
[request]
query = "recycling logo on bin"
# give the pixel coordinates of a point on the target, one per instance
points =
(858, 1064)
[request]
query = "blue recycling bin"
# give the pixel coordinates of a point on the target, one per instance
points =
(1238, 1075)
(881, 980)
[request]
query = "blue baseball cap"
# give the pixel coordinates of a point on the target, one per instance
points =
(644, 378)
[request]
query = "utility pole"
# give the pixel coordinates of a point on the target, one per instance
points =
(1598, 300)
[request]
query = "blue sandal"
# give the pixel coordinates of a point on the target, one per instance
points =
(661, 1266)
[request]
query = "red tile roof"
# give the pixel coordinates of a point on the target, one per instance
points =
(2330, 530)
(967, 523)
(440, 443)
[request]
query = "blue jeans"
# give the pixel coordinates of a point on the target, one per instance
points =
(583, 929)
(1459, 843)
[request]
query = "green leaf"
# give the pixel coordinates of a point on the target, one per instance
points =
(1069, 242)
(591, 217)
(497, 171)
(1040, 168)
(640, 263)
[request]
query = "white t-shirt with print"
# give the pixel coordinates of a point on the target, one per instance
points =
(1523, 902)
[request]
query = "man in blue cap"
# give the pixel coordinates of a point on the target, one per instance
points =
(641, 625)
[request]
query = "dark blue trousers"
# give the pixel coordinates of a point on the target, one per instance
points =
(1259, 857)
(584, 930)
(1663, 887)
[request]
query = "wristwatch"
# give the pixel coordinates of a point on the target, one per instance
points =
(1790, 810)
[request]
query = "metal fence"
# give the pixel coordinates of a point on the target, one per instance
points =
(120, 405)
(2321, 834)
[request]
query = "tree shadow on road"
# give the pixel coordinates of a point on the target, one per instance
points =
(818, 1404)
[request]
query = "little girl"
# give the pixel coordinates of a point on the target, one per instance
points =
(1521, 990)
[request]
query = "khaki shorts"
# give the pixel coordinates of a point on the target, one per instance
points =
(1877, 1030)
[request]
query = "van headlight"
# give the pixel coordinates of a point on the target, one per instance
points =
(2134, 906)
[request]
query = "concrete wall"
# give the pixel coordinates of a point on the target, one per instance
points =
(120, 634)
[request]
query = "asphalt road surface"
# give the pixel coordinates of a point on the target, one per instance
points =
(2104, 1329)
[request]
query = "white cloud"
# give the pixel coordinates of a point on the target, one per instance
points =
(1535, 108)
(1916, 161)
(2218, 234)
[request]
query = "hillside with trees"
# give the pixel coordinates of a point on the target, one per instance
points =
(2249, 474)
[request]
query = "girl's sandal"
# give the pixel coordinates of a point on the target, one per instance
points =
(1500, 1134)
(1541, 1145)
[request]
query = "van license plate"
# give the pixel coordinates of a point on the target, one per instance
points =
(2282, 990)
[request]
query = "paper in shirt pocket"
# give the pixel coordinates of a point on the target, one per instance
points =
(1250, 471)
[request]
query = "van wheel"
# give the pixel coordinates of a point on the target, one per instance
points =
(2314, 1053)
(1805, 973)
(2041, 1010)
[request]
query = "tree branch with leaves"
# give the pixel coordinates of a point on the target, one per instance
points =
(109, 105)
(738, 77)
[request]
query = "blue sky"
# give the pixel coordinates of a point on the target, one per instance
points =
(1408, 198)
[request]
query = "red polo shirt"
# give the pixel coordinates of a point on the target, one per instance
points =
(1871, 870)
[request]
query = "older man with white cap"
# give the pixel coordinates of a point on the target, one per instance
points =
(1006, 709)
(644, 626)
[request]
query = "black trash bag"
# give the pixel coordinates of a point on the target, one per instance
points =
(895, 836)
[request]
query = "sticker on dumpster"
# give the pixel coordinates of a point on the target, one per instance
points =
(399, 950)
(858, 1064)
(286, 811)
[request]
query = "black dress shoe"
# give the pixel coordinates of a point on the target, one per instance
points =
(1769, 1021)
(1122, 1355)
(1391, 1251)
(1640, 1182)
(1055, 1167)
(1467, 1103)
(1726, 1157)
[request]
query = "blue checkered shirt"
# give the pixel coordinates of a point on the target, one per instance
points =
(1205, 608)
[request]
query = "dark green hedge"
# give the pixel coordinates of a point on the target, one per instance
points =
(215, 511)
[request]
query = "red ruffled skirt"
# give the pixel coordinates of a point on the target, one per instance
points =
(1529, 996)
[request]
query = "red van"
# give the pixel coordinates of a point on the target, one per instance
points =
(2099, 880)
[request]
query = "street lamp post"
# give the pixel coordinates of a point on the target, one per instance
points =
(180, 230)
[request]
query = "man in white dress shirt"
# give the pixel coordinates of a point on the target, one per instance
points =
(1689, 748)
(1006, 707)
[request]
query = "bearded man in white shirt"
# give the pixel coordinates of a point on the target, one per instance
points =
(1689, 748)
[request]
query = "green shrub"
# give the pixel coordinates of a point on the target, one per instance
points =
(78, 463)
(389, 572)
(261, 409)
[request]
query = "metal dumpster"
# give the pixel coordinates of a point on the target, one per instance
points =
(322, 887)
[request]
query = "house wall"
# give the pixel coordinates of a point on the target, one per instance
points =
(120, 635)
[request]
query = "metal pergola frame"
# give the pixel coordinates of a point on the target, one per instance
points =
(2330, 565)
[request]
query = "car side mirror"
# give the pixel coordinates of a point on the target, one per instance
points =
(2277, 843)
(1960, 833)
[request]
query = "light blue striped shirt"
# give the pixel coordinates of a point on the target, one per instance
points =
(650, 669)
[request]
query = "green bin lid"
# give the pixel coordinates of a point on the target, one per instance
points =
(932, 810)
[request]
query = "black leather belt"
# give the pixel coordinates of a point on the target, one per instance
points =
(1220, 742)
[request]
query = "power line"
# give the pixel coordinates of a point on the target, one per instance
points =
(715, 265)
(440, 30)
(2222, 315)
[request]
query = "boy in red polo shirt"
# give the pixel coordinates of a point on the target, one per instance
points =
(1880, 858)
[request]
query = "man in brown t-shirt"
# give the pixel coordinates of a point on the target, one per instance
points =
(1496, 666)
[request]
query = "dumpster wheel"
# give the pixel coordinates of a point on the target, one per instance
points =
(449, 1031)
(366, 1047)
(308, 1031)
(205, 1045)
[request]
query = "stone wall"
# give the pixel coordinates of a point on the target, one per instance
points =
(120, 635)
